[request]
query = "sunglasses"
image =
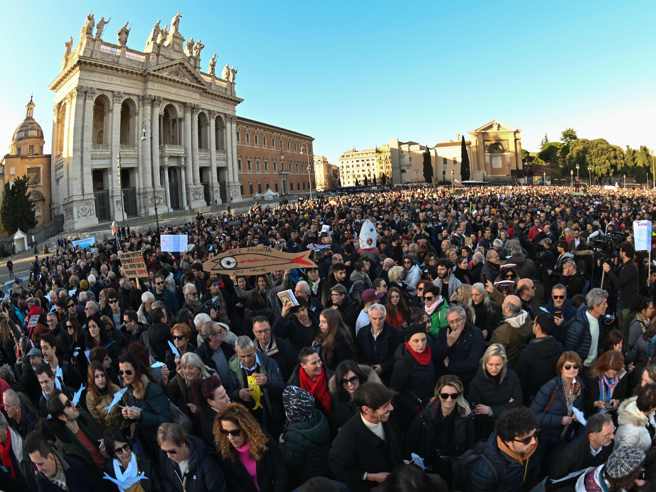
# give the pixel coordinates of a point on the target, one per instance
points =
(446, 396)
(567, 367)
(170, 452)
(127, 372)
(429, 298)
(122, 449)
(179, 337)
(159, 283)
(70, 326)
(113, 301)
(233, 433)
(527, 439)
(558, 297)
(353, 380)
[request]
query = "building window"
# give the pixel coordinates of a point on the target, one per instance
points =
(259, 187)
(18, 151)
(265, 141)
(276, 185)
(257, 139)
(34, 175)
(275, 166)
(257, 165)
(31, 151)
(288, 144)
(250, 165)
(237, 136)
(444, 161)
(250, 188)
(239, 164)
(248, 138)
(266, 165)
(241, 189)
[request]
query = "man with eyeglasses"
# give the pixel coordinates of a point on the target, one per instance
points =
(162, 293)
(511, 459)
(561, 309)
(277, 348)
(186, 464)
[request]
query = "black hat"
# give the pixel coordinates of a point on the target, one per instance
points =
(372, 395)
(546, 321)
(413, 329)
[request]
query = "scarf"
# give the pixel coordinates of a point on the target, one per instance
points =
(606, 387)
(272, 348)
(125, 480)
(424, 358)
(429, 309)
(317, 387)
(5, 454)
(59, 378)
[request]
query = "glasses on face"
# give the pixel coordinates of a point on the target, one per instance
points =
(567, 367)
(556, 298)
(231, 433)
(179, 337)
(452, 396)
(127, 372)
(528, 439)
(70, 327)
(113, 301)
(161, 282)
(122, 449)
(170, 452)
(351, 380)
(429, 298)
(420, 289)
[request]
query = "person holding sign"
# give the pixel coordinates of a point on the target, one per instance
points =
(625, 281)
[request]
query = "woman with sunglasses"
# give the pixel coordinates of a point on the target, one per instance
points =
(348, 377)
(435, 307)
(129, 471)
(181, 337)
(554, 403)
(99, 394)
(145, 404)
(250, 459)
(444, 429)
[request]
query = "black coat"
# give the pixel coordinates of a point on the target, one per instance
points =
(271, 473)
(286, 358)
(414, 383)
(204, 474)
(80, 477)
(379, 351)
(421, 437)
(357, 450)
(298, 335)
(464, 355)
(537, 364)
(575, 455)
(549, 407)
(144, 465)
(158, 336)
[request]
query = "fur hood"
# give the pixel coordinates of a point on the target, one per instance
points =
(518, 320)
(629, 414)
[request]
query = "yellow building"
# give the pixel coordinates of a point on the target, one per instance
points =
(356, 165)
(26, 157)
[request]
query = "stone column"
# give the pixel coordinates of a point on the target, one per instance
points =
(87, 163)
(156, 103)
(188, 152)
(145, 162)
(214, 189)
(115, 176)
(233, 184)
(194, 144)
(194, 190)
(183, 187)
(167, 196)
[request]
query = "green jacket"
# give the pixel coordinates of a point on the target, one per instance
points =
(438, 318)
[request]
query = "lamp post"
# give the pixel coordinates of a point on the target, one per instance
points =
(120, 185)
(143, 139)
(571, 177)
(544, 178)
(577, 173)
(452, 177)
(624, 179)
(443, 176)
(308, 167)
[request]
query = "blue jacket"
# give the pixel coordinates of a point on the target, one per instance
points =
(579, 338)
(498, 472)
(549, 407)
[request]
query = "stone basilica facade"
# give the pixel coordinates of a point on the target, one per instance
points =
(137, 129)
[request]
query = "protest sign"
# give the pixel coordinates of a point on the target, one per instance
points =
(133, 264)
(642, 235)
(85, 243)
(256, 261)
(173, 243)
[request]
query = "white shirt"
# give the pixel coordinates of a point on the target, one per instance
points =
(594, 342)
(362, 321)
(375, 428)
(184, 467)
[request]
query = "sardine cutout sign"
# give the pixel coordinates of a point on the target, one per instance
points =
(256, 261)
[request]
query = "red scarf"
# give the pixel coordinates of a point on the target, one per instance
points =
(422, 359)
(5, 455)
(317, 387)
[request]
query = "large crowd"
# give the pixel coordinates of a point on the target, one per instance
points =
(481, 339)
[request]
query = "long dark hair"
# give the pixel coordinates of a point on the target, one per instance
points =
(402, 307)
(336, 328)
(342, 370)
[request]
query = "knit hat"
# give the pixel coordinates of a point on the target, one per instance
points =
(413, 329)
(368, 295)
(298, 404)
(623, 461)
(338, 288)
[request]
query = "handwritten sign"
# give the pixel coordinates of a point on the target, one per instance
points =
(174, 243)
(133, 264)
(642, 235)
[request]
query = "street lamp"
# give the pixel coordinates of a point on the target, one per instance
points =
(308, 167)
(624, 185)
(544, 178)
(577, 172)
(120, 185)
(443, 176)
(571, 177)
(143, 139)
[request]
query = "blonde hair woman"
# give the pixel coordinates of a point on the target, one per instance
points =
(494, 388)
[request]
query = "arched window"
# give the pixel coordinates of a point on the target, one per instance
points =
(219, 133)
(100, 121)
(203, 132)
(128, 122)
(170, 133)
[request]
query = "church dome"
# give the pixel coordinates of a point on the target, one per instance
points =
(29, 128)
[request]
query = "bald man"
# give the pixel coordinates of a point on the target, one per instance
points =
(513, 333)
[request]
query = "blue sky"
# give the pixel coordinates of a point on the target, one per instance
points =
(359, 73)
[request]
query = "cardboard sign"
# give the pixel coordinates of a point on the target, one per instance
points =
(174, 243)
(133, 264)
(256, 261)
(642, 235)
(85, 243)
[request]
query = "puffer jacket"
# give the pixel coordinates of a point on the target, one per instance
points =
(550, 406)
(632, 429)
(513, 334)
(305, 446)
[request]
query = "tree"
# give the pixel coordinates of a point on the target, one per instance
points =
(545, 141)
(550, 153)
(568, 136)
(428, 166)
(17, 207)
(464, 160)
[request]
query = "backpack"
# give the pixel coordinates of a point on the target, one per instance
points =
(461, 467)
